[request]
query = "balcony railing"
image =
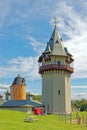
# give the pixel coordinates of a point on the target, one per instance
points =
(55, 67)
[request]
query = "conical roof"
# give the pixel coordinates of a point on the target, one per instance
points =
(18, 80)
(55, 44)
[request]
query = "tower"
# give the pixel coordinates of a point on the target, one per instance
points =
(7, 95)
(18, 89)
(55, 69)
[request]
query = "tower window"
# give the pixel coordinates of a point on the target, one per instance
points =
(59, 62)
(58, 92)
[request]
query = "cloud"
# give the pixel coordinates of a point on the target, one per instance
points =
(71, 22)
(19, 12)
(79, 92)
(4, 86)
(78, 87)
(4, 11)
(79, 96)
(37, 46)
(14, 13)
(28, 67)
(74, 29)
(78, 47)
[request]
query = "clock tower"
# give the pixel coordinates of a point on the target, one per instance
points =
(56, 69)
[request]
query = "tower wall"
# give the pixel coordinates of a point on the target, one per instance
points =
(67, 93)
(18, 92)
(47, 92)
(56, 92)
(11, 92)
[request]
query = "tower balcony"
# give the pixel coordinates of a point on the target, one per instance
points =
(55, 67)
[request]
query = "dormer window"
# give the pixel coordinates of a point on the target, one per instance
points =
(46, 55)
(51, 38)
(56, 41)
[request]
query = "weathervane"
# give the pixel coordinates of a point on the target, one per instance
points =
(55, 20)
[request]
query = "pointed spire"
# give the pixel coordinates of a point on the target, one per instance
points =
(55, 42)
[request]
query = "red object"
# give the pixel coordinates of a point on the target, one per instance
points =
(38, 111)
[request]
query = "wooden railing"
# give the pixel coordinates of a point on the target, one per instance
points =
(55, 67)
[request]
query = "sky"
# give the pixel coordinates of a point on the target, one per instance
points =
(26, 27)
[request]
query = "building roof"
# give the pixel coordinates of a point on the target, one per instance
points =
(18, 80)
(67, 52)
(13, 103)
(55, 44)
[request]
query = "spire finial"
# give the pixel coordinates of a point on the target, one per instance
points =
(55, 20)
(18, 75)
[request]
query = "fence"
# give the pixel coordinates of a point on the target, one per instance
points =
(76, 118)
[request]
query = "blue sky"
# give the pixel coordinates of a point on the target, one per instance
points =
(25, 28)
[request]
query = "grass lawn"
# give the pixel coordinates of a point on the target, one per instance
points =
(14, 120)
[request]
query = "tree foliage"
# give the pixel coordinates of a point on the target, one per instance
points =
(37, 97)
(80, 104)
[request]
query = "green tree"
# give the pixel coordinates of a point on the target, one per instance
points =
(80, 104)
(37, 97)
